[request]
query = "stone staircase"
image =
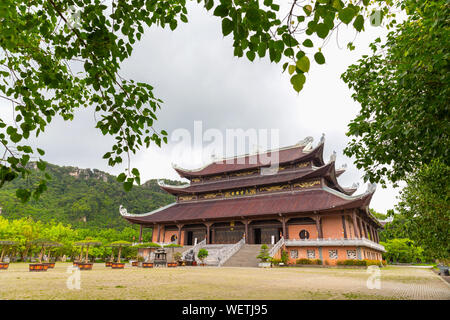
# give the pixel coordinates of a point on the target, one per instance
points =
(214, 251)
(246, 256)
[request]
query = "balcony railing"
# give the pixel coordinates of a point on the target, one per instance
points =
(321, 242)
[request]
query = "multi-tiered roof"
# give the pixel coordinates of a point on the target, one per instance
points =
(246, 186)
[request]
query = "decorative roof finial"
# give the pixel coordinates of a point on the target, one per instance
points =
(307, 143)
(355, 185)
(322, 138)
(123, 211)
(333, 156)
(371, 187)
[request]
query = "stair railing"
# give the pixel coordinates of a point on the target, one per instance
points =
(195, 248)
(273, 251)
(227, 254)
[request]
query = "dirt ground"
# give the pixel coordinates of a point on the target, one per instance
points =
(199, 283)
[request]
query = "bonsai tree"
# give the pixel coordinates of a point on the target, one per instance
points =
(43, 244)
(178, 257)
(5, 244)
(202, 254)
(172, 246)
(87, 243)
(120, 245)
(264, 254)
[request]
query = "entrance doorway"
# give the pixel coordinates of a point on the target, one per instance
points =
(189, 238)
(257, 235)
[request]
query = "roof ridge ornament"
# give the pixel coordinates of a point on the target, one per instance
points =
(333, 157)
(322, 139)
(355, 185)
(123, 211)
(371, 187)
(306, 143)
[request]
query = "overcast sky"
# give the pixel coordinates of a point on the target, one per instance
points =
(194, 72)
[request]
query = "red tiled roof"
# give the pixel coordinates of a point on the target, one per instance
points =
(312, 200)
(252, 161)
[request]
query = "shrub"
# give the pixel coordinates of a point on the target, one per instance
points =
(317, 261)
(202, 254)
(264, 253)
(275, 261)
(284, 257)
(374, 263)
(352, 262)
(303, 261)
(177, 256)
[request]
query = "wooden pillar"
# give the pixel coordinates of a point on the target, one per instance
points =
(343, 226)
(159, 233)
(140, 234)
(180, 226)
(246, 222)
(355, 226)
(208, 225)
(318, 226)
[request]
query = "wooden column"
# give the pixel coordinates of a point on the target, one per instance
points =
(318, 226)
(355, 226)
(159, 233)
(208, 225)
(180, 226)
(343, 226)
(140, 234)
(246, 222)
(283, 223)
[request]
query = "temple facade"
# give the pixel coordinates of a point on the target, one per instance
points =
(296, 205)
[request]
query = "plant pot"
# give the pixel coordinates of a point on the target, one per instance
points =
(147, 265)
(85, 266)
(50, 265)
(194, 263)
(4, 265)
(172, 264)
(117, 265)
(75, 263)
(108, 264)
(264, 264)
(135, 263)
(38, 267)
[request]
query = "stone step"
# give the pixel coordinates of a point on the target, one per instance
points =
(246, 256)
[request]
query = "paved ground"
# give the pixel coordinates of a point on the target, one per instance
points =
(221, 283)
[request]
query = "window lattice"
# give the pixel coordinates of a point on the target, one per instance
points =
(333, 254)
(311, 254)
(351, 254)
(294, 254)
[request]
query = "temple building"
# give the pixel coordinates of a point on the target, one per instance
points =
(297, 205)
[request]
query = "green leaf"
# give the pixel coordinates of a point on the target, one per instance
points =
(250, 55)
(320, 59)
(121, 177)
(298, 80)
(303, 64)
(128, 185)
(291, 69)
(227, 26)
(308, 43)
(359, 23)
(221, 11)
(346, 15)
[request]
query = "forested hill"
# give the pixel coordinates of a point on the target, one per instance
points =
(83, 198)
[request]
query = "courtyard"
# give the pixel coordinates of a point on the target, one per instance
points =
(199, 283)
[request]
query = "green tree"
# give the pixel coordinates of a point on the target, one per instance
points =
(41, 41)
(424, 203)
(403, 89)
(402, 250)
(202, 254)
(264, 253)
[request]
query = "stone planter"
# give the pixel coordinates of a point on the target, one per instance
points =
(50, 265)
(443, 270)
(264, 264)
(147, 265)
(117, 265)
(4, 265)
(172, 264)
(38, 267)
(85, 266)
(108, 264)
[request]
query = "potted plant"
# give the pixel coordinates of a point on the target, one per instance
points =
(86, 265)
(120, 245)
(202, 254)
(172, 246)
(43, 244)
(5, 244)
(264, 257)
(178, 257)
